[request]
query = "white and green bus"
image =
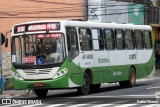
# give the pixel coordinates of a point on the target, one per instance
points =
(59, 54)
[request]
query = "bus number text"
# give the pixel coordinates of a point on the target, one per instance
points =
(132, 56)
(89, 56)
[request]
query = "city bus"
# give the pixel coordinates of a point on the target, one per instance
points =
(61, 54)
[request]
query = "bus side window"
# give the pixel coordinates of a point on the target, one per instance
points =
(97, 36)
(139, 39)
(100, 39)
(147, 40)
(109, 39)
(129, 40)
(119, 39)
(85, 39)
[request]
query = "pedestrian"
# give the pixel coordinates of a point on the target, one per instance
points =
(2, 83)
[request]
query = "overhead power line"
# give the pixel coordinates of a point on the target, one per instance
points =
(69, 7)
(67, 16)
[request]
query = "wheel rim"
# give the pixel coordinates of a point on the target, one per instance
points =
(86, 83)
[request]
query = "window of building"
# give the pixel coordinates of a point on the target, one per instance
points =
(85, 39)
(129, 40)
(139, 39)
(109, 39)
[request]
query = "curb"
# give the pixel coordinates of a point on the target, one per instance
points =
(8, 96)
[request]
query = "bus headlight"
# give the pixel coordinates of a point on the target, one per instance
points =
(60, 73)
(17, 76)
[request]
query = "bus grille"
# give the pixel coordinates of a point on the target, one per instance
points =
(37, 71)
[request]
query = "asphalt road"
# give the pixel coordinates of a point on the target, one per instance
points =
(109, 95)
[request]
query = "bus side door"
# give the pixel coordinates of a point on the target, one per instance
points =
(73, 56)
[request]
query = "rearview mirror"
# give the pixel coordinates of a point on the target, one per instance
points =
(2, 38)
(6, 42)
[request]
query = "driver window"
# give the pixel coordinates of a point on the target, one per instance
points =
(72, 42)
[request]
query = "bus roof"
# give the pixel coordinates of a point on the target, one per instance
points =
(93, 24)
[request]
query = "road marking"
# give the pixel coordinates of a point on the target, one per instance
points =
(151, 95)
(32, 105)
(119, 96)
(94, 102)
(119, 102)
(152, 88)
(157, 105)
(102, 105)
(125, 105)
(10, 105)
(55, 105)
(150, 105)
(78, 105)
(88, 103)
(150, 78)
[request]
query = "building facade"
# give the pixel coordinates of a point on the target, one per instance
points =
(117, 11)
(19, 11)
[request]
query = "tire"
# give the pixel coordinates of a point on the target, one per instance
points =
(41, 92)
(131, 79)
(85, 88)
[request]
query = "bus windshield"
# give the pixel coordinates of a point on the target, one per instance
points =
(38, 49)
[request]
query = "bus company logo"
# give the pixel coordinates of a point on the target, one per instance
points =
(132, 56)
(6, 101)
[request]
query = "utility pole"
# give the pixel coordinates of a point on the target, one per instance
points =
(85, 10)
(147, 6)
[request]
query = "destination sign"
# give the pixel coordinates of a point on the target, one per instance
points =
(36, 27)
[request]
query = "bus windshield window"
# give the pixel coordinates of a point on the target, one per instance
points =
(38, 49)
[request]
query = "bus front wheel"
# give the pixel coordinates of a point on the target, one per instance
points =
(41, 92)
(85, 88)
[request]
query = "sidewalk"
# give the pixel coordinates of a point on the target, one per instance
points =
(11, 93)
(15, 93)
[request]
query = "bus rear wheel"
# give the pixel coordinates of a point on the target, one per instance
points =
(41, 92)
(131, 79)
(85, 88)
